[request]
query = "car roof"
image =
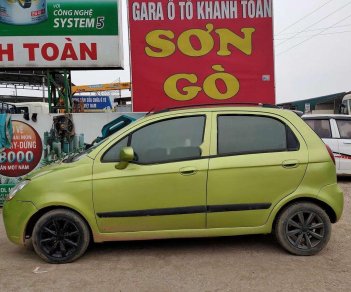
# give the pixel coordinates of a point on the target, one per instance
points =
(221, 108)
(328, 116)
(216, 106)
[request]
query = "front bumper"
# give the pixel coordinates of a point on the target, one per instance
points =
(16, 215)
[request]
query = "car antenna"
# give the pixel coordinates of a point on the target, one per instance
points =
(152, 109)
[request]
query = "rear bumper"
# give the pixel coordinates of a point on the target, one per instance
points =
(16, 215)
(334, 197)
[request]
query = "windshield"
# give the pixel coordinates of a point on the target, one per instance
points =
(107, 131)
(77, 156)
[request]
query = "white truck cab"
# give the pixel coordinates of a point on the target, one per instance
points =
(345, 108)
(31, 107)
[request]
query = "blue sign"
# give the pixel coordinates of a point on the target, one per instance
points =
(94, 102)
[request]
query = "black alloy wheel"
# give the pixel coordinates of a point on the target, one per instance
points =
(303, 229)
(60, 236)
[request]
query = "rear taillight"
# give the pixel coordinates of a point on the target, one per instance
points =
(330, 153)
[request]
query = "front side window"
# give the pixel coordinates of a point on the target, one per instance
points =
(321, 127)
(344, 127)
(253, 134)
(169, 140)
(112, 155)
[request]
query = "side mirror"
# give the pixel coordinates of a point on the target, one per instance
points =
(126, 155)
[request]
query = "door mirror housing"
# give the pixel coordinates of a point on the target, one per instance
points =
(126, 155)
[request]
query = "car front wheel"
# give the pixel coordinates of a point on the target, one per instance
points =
(303, 229)
(60, 236)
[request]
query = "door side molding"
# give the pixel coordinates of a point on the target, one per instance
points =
(185, 210)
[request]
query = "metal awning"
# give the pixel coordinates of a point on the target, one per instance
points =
(27, 77)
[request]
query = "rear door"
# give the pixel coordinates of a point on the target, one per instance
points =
(256, 160)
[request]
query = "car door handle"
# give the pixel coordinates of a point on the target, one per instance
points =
(347, 142)
(290, 163)
(188, 170)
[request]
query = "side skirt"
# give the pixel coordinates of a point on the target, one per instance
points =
(188, 233)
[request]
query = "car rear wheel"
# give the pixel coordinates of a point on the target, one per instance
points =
(303, 229)
(60, 236)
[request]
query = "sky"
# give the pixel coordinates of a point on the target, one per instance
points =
(312, 50)
(312, 56)
(312, 43)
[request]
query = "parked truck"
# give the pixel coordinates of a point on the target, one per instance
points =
(345, 107)
(339, 103)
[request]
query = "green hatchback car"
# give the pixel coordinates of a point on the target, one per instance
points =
(194, 172)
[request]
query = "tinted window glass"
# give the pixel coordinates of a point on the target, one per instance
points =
(250, 134)
(169, 140)
(112, 155)
(22, 110)
(293, 143)
(321, 127)
(344, 107)
(344, 127)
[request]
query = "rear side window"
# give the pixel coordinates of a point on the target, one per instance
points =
(321, 127)
(344, 127)
(253, 134)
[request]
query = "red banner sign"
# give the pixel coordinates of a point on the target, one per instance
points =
(25, 153)
(199, 52)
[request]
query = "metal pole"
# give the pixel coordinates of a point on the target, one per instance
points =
(43, 80)
(49, 92)
(67, 108)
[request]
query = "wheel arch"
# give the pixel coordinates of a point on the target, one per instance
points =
(329, 210)
(34, 219)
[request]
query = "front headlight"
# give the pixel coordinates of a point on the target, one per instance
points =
(16, 189)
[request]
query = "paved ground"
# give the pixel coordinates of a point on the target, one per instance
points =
(248, 263)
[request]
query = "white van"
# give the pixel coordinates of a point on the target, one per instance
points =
(335, 131)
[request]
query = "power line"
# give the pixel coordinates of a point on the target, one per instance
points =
(319, 21)
(302, 18)
(316, 29)
(330, 33)
(289, 49)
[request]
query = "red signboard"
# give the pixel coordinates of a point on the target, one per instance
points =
(200, 52)
(25, 152)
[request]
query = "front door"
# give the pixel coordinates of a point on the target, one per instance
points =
(164, 188)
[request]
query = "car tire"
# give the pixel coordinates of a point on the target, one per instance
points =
(303, 229)
(60, 236)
